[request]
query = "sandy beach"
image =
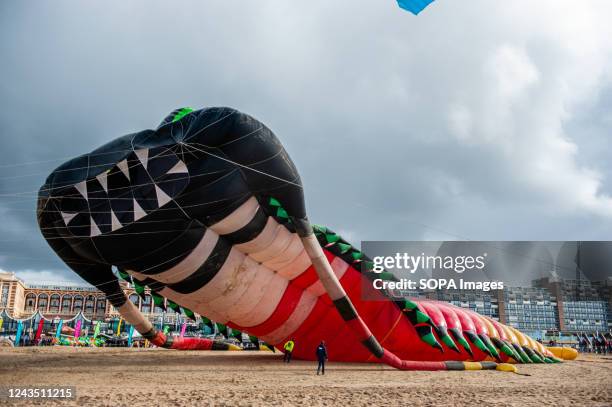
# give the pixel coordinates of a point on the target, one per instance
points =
(145, 377)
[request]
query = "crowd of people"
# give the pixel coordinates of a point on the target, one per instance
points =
(597, 344)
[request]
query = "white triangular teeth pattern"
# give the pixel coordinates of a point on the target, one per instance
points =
(143, 156)
(162, 197)
(179, 168)
(123, 166)
(103, 180)
(115, 222)
(95, 230)
(82, 188)
(68, 217)
(138, 211)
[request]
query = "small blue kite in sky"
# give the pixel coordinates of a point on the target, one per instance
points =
(414, 6)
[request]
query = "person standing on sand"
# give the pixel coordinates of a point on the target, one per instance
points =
(289, 345)
(321, 357)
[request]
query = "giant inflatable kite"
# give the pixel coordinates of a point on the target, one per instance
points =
(208, 211)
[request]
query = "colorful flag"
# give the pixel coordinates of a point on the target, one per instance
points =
(58, 333)
(119, 326)
(77, 329)
(183, 328)
(18, 334)
(1, 321)
(96, 330)
(130, 334)
(39, 330)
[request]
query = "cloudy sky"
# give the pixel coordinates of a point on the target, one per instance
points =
(479, 119)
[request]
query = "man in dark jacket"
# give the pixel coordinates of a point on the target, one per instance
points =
(321, 357)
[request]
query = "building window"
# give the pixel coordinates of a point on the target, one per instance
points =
(5, 295)
(43, 301)
(89, 304)
(101, 305)
(30, 302)
(54, 303)
(146, 304)
(66, 304)
(77, 303)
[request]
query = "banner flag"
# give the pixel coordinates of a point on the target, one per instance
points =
(96, 330)
(39, 330)
(119, 326)
(18, 334)
(130, 335)
(183, 328)
(77, 329)
(58, 333)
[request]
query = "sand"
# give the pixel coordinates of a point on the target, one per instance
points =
(147, 377)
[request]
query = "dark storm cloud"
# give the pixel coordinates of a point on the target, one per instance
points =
(469, 121)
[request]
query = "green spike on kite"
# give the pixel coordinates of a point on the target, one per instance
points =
(367, 266)
(461, 339)
(173, 306)
(207, 322)
(282, 213)
(139, 288)
(332, 238)
(426, 334)
(181, 113)
(319, 229)
(492, 350)
(274, 202)
(465, 344)
(448, 341)
(409, 305)
(430, 339)
(421, 317)
(344, 247)
(522, 355)
(158, 300)
(188, 313)
(507, 350)
(479, 344)
(357, 256)
(222, 329)
(237, 334)
(125, 276)
(386, 276)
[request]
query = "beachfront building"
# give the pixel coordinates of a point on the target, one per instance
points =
(531, 309)
(550, 305)
(21, 300)
(12, 293)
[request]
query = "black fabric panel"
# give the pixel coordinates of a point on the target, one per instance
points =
(454, 365)
(132, 246)
(488, 365)
(170, 254)
(218, 346)
(154, 285)
(373, 346)
(249, 231)
(149, 334)
(207, 271)
(345, 308)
